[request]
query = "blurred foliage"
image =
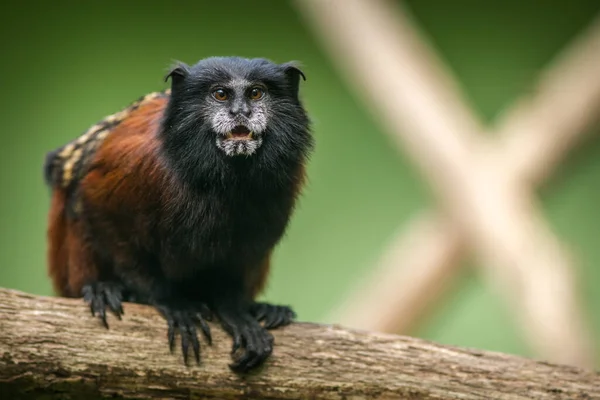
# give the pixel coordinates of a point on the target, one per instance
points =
(67, 64)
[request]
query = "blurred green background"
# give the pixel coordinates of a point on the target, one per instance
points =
(68, 64)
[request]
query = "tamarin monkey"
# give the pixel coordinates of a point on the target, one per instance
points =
(178, 200)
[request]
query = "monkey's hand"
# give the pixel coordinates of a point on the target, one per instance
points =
(254, 343)
(99, 295)
(273, 315)
(185, 318)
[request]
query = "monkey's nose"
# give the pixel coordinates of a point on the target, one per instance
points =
(246, 112)
(240, 108)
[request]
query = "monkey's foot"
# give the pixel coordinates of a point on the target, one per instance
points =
(255, 343)
(273, 315)
(185, 319)
(99, 295)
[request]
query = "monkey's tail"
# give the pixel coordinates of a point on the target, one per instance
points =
(50, 167)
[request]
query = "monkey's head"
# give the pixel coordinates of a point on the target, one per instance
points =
(223, 109)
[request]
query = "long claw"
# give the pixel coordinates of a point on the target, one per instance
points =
(113, 299)
(184, 347)
(99, 295)
(102, 314)
(184, 320)
(247, 333)
(195, 344)
(205, 330)
(237, 339)
(171, 334)
(192, 336)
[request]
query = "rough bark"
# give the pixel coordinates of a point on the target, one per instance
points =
(52, 348)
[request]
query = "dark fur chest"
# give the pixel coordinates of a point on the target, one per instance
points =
(229, 227)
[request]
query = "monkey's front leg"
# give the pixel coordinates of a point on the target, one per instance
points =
(101, 295)
(182, 313)
(254, 341)
(185, 316)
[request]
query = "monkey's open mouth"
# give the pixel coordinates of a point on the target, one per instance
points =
(240, 132)
(240, 141)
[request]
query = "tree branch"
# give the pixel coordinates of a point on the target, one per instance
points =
(53, 348)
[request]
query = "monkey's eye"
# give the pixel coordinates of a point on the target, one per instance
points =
(220, 95)
(256, 93)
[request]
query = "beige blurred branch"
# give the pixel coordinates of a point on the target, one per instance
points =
(377, 50)
(537, 132)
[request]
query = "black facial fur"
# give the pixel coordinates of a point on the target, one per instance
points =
(196, 124)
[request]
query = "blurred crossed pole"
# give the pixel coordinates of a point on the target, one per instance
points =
(483, 180)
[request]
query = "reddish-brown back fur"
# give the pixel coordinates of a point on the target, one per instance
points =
(70, 264)
(70, 261)
(130, 149)
(58, 256)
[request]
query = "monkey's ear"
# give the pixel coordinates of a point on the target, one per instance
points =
(293, 73)
(177, 73)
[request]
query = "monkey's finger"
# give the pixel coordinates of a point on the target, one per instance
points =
(285, 316)
(88, 296)
(271, 318)
(88, 293)
(169, 316)
(261, 311)
(291, 314)
(102, 314)
(91, 306)
(171, 334)
(259, 345)
(237, 343)
(113, 300)
(100, 308)
(184, 345)
(277, 320)
(190, 332)
(205, 330)
(196, 347)
(265, 348)
(237, 340)
(250, 351)
(231, 326)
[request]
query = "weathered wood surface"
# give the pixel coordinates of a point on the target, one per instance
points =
(53, 348)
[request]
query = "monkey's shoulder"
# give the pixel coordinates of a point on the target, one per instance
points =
(65, 166)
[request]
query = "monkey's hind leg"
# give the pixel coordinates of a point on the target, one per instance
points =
(97, 285)
(273, 315)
